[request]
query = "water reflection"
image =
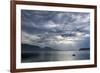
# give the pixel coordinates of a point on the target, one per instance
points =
(45, 56)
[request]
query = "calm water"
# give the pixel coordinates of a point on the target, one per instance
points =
(45, 56)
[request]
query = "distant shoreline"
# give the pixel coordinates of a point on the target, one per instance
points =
(26, 47)
(84, 49)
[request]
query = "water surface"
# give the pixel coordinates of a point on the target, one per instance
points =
(45, 56)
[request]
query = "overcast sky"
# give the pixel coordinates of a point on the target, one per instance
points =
(59, 30)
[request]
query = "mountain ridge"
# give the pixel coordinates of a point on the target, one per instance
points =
(27, 47)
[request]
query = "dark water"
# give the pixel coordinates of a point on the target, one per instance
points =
(45, 56)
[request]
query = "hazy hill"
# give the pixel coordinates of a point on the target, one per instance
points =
(27, 47)
(84, 49)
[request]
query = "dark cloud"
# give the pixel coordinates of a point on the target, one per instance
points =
(55, 28)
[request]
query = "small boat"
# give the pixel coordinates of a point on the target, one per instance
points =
(73, 55)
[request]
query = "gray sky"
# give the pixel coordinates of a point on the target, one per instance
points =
(59, 30)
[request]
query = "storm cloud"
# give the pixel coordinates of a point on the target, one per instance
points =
(59, 30)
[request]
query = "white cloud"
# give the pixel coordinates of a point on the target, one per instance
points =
(50, 24)
(29, 38)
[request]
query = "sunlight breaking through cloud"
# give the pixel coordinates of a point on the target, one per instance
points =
(60, 30)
